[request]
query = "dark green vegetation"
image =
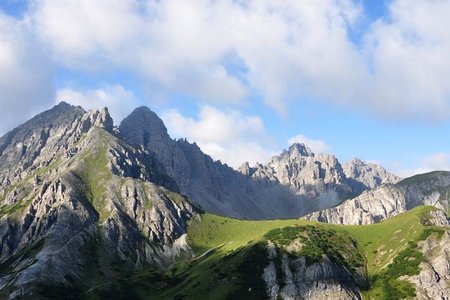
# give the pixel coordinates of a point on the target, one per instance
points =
(392, 251)
(231, 257)
(318, 240)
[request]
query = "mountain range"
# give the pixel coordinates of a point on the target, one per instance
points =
(88, 210)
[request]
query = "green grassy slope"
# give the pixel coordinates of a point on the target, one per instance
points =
(231, 256)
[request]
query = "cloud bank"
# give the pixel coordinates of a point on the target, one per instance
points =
(284, 51)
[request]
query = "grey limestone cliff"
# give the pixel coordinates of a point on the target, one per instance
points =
(365, 176)
(389, 200)
(213, 186)
(319, 177)
(77, 201)
(433, 280)
(289, 275)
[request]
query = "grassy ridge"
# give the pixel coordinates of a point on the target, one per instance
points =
(231, 256)
(214, 230)
(390, 247)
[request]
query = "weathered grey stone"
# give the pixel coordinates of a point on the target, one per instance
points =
(291, 185)
(433, 281)
(390, 200)
(56, 223)
(365, 176)
(320, 280)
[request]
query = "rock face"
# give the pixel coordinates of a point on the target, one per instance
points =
(76, 200)
(213, 186)
(322, 280)
(290, 185)
(389, 200)
(365, 176)
(319, 177)
(290, 276)
(433, 281)
(39, 141)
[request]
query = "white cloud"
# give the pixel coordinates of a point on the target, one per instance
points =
(284, 50)
(25, 74)
(87, 32)
(317, 146)
(229, 135)
(119, 101)
(224, 51)
(409, 58)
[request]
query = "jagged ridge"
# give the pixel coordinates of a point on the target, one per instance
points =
(83, 205)
(390, 200)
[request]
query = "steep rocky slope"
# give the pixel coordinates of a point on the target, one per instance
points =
(335, 274)
(290, 185)
(318, 177)
(433, 279)
(389, 200)
(219, 189)
(365, 176)
(78, 203)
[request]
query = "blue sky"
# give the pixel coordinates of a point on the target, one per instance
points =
(363, 79)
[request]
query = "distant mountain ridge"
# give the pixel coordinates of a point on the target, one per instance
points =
(319, 176)
(292, 184)
(386, 201)
(366, 176)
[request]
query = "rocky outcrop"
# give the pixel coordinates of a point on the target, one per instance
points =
(433, 281)
(365, 176)
(47, 137)
(289, 276)
(318, 177)
(80, 202)
(291, 185)
(389, 200)
(213, 186)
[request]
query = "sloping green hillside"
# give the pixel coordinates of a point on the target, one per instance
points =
(231, 256)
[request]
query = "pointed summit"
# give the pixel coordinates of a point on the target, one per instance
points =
(364, 175)
(300, 149)
(143, 127)
(62, 114)
(104, 120)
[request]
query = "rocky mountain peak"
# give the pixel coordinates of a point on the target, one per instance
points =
(245, 169)
(100, 119)
(63, 105)
(299, 149)
(367, 175)
(357, 162)
(105, 120)
(144, 127)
